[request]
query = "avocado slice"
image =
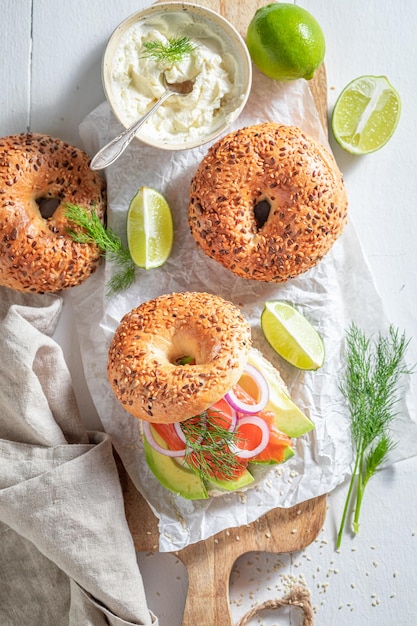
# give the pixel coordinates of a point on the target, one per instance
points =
(173, 476)
(288, 417)
(184, 481)
(244, 480)
(289, 452)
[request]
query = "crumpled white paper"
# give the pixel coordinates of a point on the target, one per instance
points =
(332, 295)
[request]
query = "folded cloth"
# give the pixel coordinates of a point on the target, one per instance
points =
(66, 553)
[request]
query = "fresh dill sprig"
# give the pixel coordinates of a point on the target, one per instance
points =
(173, 51)
(207, 446)
(371, 388)
(91, 230)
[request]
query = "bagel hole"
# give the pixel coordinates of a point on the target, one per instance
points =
(185, 348)
(261, 212)
(47, 206)
(186, 359)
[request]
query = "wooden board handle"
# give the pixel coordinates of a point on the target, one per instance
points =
(209, 569)
(209, 563)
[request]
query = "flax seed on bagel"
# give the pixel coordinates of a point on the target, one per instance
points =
(36, 252)
(267, 202)
(145, 359)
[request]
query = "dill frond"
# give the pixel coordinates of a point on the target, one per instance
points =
(173, 51)
(371, 389)
(125, 276)
(90, 230)
(377, 454)
(207, 445)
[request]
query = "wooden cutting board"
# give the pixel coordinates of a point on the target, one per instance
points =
(209, 562)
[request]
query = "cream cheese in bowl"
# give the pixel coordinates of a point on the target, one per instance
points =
(218, 63)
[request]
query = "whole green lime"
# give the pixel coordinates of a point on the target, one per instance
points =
(285, 42)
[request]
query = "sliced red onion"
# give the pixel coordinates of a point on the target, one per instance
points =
(243, 407)
(147, 430)
(233, 423)
(255, 420)
(179, 431)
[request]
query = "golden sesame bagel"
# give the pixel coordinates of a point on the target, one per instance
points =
(144, 364)
(36, 252)
(267, 202)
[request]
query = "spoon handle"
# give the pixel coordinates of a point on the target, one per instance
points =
(111, 151)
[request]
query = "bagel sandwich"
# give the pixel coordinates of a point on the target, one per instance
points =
(213, 411)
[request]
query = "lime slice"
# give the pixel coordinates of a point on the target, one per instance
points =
(366, 114)
(150, 231)
(292, 336)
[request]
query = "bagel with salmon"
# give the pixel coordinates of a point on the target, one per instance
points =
(210, 406)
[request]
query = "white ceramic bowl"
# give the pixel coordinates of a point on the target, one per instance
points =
(120, 79)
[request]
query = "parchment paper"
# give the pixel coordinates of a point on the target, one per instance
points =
(339, 290)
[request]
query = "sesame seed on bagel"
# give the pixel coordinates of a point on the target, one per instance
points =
(267, 202)
(36, 252)
(146, 362)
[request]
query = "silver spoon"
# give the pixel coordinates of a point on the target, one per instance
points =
(111, 151)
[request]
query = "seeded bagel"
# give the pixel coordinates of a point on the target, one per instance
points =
(36, 252)
(144, 364)
(267, 202)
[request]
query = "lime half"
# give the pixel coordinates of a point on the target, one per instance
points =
(292, 336)
(150, 230)
(366, 114)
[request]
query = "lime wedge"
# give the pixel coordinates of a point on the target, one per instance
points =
(366, 114)
(292, 336)
(150, 230)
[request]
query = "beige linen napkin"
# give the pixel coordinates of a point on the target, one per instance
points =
(66, 553)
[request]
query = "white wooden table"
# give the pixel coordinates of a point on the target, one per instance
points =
(50, 54)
